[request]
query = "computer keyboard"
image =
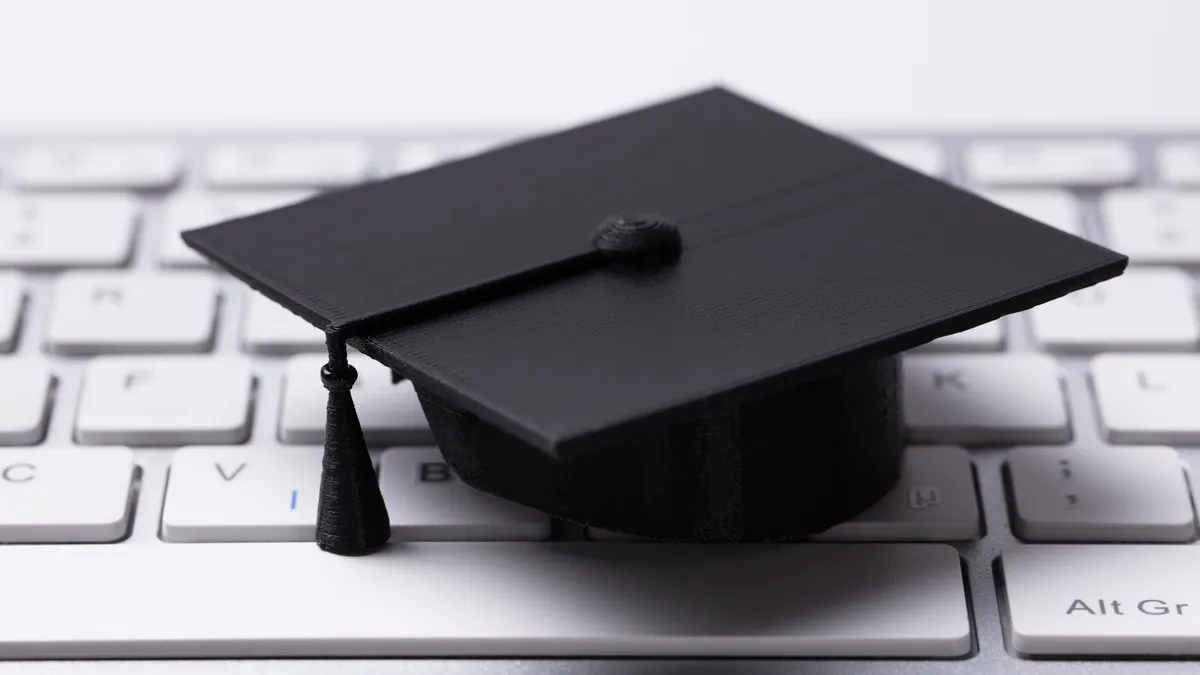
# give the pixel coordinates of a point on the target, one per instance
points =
(160, 431)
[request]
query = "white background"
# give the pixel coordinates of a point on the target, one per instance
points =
(217, 64)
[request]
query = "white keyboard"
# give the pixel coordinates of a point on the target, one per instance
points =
(160, 452)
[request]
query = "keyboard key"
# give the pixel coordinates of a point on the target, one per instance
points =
(67, 231)
(269, 328)
(25, 386)
(988, 337)
(1150, 309)
(1153, 226)
(1148, 398)
(313, 164)
(1132, 494)
(934, 501)
(1032, 162)
(921, 155)
(1179, 163)
(497, 599)
(242, 494)
(984, 399)
(428, 502)
(64, 495)
(1103, 600)
(390, 414)
(132, 166)
(12, 301)
(181, 400)
(1056, 208)
(416, 156)
(114, 312)
(471, 146)
(189, 210)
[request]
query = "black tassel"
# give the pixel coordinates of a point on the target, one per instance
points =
(351, 516)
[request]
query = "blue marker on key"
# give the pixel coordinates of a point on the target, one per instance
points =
(293, 500)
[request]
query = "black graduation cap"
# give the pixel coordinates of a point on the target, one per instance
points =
(679, 322)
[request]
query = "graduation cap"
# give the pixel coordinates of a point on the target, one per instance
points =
(681, 322)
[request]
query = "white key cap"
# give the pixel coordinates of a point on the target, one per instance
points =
(1032, 162)
(291, 164)
(390, 414)
(1149, 398)
(417, 156)
(500, 599)
(471, 147)
(269, 328)
(115, 312)
(1151, 309)
(1056, 208)
(190, 210)
(25, 387)
(129, 166)
(428, 503)
(182, 400)
(988, 337)
(242, 494)
(923, 156)
(1127, 494)
(1179, 163)
(1153, 226)
(992, 398)
(67, 231)
(65, 495)
(934, 501)
(12, 301)
(1103, 600)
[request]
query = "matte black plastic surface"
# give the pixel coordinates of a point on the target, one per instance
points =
(353, 254)
(803, 254)
(775, 468)
(741, 388)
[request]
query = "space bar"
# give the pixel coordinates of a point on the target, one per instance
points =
(483, 599)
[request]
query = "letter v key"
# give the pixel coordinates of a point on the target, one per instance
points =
(229, 476)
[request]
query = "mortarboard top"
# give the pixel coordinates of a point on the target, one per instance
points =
(678, 322)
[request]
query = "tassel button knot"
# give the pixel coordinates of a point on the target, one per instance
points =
(339, 381)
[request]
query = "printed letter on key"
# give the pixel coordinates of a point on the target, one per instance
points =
(18, 473)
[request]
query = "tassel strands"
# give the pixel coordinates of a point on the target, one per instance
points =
(351, 516)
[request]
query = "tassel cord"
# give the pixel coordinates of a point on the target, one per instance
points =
(351, 516)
